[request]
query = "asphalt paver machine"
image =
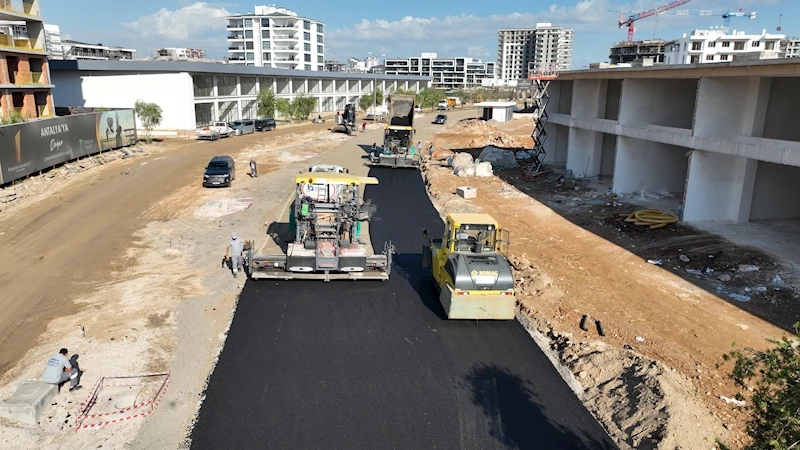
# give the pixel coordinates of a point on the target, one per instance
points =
(326, 219)
(398, 136)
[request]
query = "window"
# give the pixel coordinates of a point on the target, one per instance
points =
(248, 23)
(264, 34)
(266, 56)
(249, 56)
(306, 25)
(307, 57)
(709, 57)
(306, 36)
(697, 45)
(726, 44)
(264, 22)
(319, 39)
(738, 45)
(319, 28)
(307, 47)
(265, 45)
(308, 66)
(712, 44)
(320, 68)
(248, 45)
(756, 44)
(723, 57)
(695, 59)
(319, 58)
(248, 34)
(319, 49)
(769, 45)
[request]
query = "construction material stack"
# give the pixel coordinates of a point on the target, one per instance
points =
(470, 268)
(398, 136)
(326, 218)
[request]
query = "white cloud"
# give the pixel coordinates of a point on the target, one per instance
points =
(476, 51)
(197, 22)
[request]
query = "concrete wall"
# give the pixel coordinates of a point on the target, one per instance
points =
(583, 156)
(556, 144)
(608, 154)
(777, 192)
(173, 92)
(560, 93)
(586, 98)
(720, 114)
(720, 187)
(783, 115)
(650, 166)
(664, 102)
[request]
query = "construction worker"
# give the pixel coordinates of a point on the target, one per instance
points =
(59, 369)
(364, 127)
(233, 253)
(253, 168)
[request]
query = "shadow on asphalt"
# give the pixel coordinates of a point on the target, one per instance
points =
(280, 233)
(515, 418)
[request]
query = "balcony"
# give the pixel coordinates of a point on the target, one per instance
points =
(285, 48)
(235, 26)
(236, 49)
(28, 78)
(235, 37)
(284, 37)
(18, 42)
(12, 9)
(284, 59)
(284, 26)
(44, 111)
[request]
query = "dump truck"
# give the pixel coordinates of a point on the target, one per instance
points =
(347, 122)
(448, 103)
(326, 219)
(398, 136)
(470, 268)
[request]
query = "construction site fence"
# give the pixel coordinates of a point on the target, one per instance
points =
(30, 147)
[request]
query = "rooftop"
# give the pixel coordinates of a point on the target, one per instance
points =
(781, 67)
(149, 66)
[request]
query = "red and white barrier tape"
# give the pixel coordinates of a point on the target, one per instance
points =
(100, 424)
(98, 388)
(115, 412)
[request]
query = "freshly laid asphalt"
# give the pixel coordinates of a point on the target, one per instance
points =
(373, 365)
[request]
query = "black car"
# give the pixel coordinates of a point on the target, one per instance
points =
(440, 119)
(265, 124)
(221, 171)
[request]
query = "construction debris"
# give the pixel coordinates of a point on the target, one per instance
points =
(466, 192)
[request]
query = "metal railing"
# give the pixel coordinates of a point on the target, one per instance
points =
(283, 36)
(284, 48)
(28, 77)
(17, 42)
(233, 36)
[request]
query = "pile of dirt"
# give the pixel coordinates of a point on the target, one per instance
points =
(475, 133)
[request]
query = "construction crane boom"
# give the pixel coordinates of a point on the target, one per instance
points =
(651, 12)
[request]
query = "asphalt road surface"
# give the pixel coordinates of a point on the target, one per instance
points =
(373, 365)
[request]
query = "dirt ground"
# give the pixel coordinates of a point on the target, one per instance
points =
(140, 261)
(652, 379)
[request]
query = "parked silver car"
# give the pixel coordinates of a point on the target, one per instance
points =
(244, 127)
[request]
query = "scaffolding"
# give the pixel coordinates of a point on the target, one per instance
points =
(540, 77)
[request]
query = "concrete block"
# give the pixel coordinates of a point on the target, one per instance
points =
(28, 401)
(467, 192)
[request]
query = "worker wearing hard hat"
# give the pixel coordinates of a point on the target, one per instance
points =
(233, 253)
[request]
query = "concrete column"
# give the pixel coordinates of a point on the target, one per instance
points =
(649, 166)
(584, 152)
(755, 107)
(719, 187)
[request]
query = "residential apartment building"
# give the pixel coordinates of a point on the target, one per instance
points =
(544, 46)
(790, 48)
(52, 39)
(447, 73)
(714, 46)
(82, 50)
(24, 74)
(276, 37)
(638, 51)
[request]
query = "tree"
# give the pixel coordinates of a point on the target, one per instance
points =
(378, 96)
(284, 107)
(149, 115)
(15, 117)
(266, 102)
(775, 404)
(303, 106)
(366, 101)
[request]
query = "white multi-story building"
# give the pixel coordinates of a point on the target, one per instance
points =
(52, 39)
(276, 37)
(180, 54)
(447, 73)
(544, 46)
(791, 48)
(714, 46)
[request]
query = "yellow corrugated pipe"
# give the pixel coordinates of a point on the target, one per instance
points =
(655, 218)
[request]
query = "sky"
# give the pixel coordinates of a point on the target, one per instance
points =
(403, 28)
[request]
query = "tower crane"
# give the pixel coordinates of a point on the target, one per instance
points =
(726, 14)
(651, 12)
